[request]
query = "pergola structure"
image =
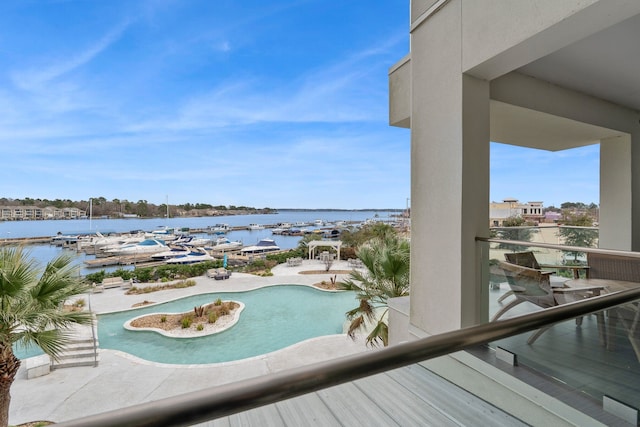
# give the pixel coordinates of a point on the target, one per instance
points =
(336, 244)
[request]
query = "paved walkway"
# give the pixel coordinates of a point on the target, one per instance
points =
(122, 380)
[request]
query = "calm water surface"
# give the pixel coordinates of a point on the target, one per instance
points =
(274, 317)
(44, 253)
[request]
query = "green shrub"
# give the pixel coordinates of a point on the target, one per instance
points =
(163, 273)
(186, 322)
(281, 257)
(95, 277)
(185, 284)
(163, 319)
(200, 327)
(213, 317)
(218, 302)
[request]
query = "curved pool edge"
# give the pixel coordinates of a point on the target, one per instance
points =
(299, 346)
(197, 334)
(204, 292)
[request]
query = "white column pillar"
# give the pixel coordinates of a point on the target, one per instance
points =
(615, 193)
(449, 176)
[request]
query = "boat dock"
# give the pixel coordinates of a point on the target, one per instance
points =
(22, 241)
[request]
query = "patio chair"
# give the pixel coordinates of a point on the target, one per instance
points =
(528, 259)
(533, 286)
(626, 316)
(221, 274)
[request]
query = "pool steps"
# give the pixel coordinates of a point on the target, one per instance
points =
(79, 352)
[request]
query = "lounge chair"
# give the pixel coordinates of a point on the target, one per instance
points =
(533, 286)
(528, 259)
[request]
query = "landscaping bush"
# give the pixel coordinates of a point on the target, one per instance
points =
(281, 257)
(186, 322)
(162, 273)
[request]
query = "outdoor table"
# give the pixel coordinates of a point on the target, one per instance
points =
(608, 286)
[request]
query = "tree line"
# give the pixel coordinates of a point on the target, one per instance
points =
(100, 206)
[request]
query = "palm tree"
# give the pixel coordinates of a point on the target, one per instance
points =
(386, 260)
(31, 311)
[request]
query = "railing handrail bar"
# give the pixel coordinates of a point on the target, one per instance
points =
(560, 247)
(211, 403)
(535, 227)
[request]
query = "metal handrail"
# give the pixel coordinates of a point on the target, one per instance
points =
(560, 247)
(215, 402)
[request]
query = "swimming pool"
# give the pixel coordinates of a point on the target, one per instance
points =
(274, 317)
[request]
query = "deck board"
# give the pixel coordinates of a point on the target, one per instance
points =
(456, 403)
(409, 396)
(405, 407)
(354, 408)
(307, 410)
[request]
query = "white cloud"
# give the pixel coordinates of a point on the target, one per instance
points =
(36, 78)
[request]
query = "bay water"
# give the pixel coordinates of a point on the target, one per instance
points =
(50, 228)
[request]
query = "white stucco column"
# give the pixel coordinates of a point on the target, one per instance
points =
(615, 193)
(450, 178)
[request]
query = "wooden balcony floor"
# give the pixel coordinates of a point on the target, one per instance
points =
(570, 363)
(410, 396)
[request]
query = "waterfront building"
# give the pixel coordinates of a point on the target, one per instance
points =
(19, 213)
(509, 208)
(545, 74)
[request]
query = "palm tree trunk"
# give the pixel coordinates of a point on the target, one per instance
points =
(9, 365)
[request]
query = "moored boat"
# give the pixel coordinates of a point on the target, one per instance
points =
(147, 246)
(263, 245)
(224, 244)
(218, 229)
(192, 257)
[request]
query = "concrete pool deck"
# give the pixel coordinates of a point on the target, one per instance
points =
(121, 380)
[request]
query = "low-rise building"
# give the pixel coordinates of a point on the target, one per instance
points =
(509, 208)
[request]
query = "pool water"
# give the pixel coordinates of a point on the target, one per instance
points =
(274, 317)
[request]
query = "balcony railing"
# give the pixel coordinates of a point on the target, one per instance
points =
(579, 357)
(212, 403)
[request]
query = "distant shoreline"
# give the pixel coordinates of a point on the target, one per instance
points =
(340, 210)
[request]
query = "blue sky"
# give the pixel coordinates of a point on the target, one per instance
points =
(280, 104)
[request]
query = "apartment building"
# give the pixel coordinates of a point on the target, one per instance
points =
(509, 208)
(22, 213)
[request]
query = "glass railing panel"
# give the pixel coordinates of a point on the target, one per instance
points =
(597, 355)
(561, 263)
(549, 234)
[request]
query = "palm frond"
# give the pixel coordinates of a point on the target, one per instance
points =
(379, 333)
(387, 275)
(31, 300)
(355, 324)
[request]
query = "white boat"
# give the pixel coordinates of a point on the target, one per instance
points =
(147, 246)
(224, 244)
(256, 227)
(164, 233)
(192, 257)
(319, 223)
(300, 224)
(64, 239)
(113, 242)
(192, 241)
(171, 253)
(218, 229)
(263, 245)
